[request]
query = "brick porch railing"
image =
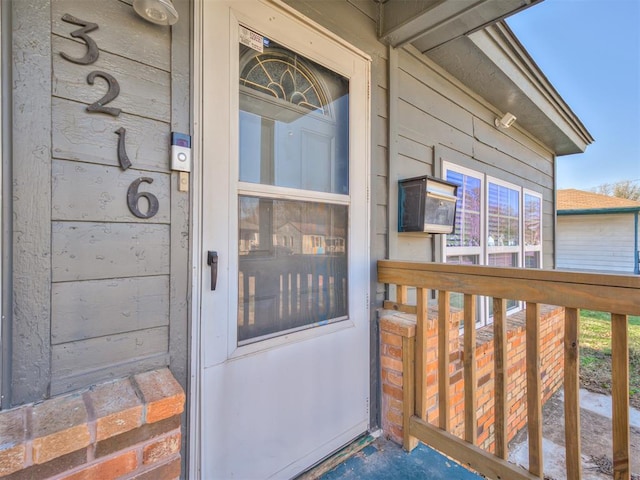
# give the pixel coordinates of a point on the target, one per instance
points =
(396, 328)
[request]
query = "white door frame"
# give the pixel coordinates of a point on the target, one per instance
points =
(194, 440)
(197, 188)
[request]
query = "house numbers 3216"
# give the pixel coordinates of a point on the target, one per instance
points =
(133, 195)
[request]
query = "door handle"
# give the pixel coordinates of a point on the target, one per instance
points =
(212, 261)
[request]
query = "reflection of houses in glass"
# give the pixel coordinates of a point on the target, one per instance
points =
(325, 234)
(532, 219)
(467, 229)
(313, 245)
(335, 245)
(248, 238)
(292, 265)
(292, 239)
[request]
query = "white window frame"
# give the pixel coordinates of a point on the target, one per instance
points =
(532, 248)
(509, 249)
(497, 249)
(468, 250)
(484, 250)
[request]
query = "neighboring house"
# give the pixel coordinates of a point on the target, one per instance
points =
(119, 261)
(597, 232)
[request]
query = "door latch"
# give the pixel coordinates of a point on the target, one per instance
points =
(212, 261)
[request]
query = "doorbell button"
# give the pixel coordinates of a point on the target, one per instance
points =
(180, 152)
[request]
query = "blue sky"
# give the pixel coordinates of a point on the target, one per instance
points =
(590, 51)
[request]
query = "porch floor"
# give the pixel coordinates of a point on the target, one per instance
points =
(384, 459)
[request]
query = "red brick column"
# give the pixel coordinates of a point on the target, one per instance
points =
(128, 427)
(393, 328)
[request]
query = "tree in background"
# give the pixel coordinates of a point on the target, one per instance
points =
(629, 189)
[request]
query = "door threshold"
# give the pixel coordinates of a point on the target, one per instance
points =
(335, 459)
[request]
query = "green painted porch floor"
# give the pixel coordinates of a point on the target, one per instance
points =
(384, 459)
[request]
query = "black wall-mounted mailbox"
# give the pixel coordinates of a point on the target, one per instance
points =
(426, 204)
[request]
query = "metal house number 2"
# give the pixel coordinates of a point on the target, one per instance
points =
(133, 195)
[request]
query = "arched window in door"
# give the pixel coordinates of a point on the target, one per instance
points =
(295, 113)
(283, 75)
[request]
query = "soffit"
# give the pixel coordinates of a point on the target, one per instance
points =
(429, 23)
(493, 64)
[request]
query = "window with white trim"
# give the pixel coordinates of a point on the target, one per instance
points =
(464, 246)
(532, 229)
(497, 223)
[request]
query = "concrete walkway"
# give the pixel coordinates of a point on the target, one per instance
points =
(595, 425)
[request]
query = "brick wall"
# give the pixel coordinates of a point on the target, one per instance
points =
(394, 326)
(128, 428)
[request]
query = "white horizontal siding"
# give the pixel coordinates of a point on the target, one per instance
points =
(596, 242)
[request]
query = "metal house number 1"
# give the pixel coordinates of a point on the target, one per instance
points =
(133, 195)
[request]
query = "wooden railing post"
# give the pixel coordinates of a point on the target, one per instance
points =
(400, 303)
(401, 294)
(620, 396)
(421, 352)
(534, 390)
(572, 393)
(500, 368)
(470, 383)
(444, 309)
(408, 391)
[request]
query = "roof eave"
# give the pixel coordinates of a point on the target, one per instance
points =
(546, 95)
(509, 79)
(599, 211)
(430, 23)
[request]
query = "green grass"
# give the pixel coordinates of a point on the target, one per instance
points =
(595, 353)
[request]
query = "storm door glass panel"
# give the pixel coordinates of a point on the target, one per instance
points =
(294, 143)
(294, 119)
(293, 266)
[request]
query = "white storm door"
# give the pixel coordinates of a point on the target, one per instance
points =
(285, 162)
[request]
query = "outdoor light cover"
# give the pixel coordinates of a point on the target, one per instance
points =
(426, 204)
(506, 121)
(160, 12)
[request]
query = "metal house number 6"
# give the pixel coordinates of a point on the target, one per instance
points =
(133, 195)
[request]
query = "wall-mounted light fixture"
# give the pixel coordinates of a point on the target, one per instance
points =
(426, 204)
(160, 12)
(506, 121)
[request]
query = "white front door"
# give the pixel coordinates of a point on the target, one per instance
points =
(283, 136)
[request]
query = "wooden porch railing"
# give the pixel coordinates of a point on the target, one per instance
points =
(619, 295)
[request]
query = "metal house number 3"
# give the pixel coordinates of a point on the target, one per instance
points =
(133, 195)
